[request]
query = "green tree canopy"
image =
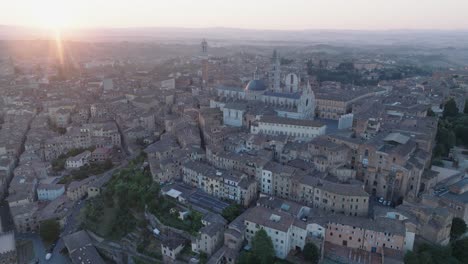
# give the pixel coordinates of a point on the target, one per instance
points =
(458, 228)
(247, 258)
(460, 250)
(262, 247)
(430, 112)
(431, 254)
(49, 230)
(450, 108)
(311, 253)
(232, 212)
(411, 258)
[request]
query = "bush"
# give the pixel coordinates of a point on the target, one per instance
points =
(49, 231)
(232, 212)
(438, 162)
(311, 253)
(460, 250)
(450, 109)
(458, 228)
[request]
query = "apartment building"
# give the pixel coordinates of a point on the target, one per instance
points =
(383, 236)
(25, 217)
(336, 198)
(78, 189)
(250, 163)
(430, 223)
(49, 192)
(333, 101)
(278, 226)
(209, 239)
(391, 165)
(79, 160)
(231, 185)
(299, 130)
(328, 155)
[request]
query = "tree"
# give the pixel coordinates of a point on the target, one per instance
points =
(49, 230)
(232, 212)
(346, 66)
(434, 254)
(262, 247)
(141, 142)
(430, 112)
(411, 258)
(460, 249)
(203, 257)
(450, 109)
(285, 61)
(247, 258)
(311, 253)
(458, 228)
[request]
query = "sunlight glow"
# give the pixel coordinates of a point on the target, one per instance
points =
(51, 14)
(259, 14)
(58, 43)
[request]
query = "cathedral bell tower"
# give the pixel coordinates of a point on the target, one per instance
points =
(204, 55)
(275, 73)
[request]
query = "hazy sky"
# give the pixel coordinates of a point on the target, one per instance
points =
(258, 14)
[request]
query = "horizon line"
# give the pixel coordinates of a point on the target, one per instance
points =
(231, 28)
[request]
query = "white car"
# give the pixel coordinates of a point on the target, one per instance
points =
(48, 256)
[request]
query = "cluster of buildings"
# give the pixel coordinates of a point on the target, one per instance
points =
(308, 161)
(320, 157)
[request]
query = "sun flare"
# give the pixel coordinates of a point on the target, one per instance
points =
(52, 14)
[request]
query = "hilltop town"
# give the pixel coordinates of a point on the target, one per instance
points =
(185, 160)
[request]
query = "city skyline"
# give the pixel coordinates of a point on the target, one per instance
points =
(268, 15)
(233, 132)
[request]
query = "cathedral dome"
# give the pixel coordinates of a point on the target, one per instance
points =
(256, 85)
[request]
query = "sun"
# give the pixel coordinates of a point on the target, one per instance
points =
(52, 14)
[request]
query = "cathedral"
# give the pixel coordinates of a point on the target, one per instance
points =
(287, 96)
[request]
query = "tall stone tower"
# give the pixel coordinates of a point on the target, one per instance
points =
(275, 73)
(204, 54)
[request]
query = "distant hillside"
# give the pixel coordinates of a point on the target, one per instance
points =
(223, 36)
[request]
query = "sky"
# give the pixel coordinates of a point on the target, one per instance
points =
(252, 14)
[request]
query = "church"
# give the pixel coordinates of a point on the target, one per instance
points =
(286, 96)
